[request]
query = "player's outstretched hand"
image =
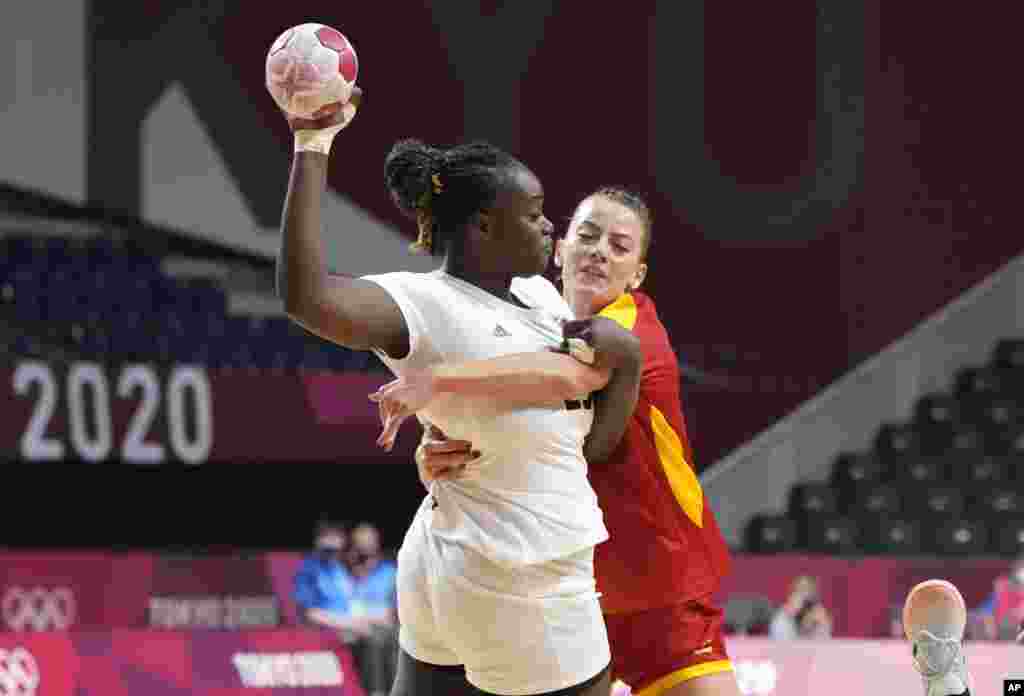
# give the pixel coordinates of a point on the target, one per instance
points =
(613, 345)
(437, 457)
(336, 116)
(399, 399)
(392, 415)
(413, 390)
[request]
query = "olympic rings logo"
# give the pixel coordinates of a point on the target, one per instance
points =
(19, 673)
(38, 609)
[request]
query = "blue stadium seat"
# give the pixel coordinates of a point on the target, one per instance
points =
(165, 293)
(97, 342)
(315, 359)
(200, 295)
(24, 293)
(69, 306)
(26, 345)
(53, 249)
(280, 360)
(19, 250)
(340, 360)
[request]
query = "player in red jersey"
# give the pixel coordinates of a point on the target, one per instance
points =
(665, 558)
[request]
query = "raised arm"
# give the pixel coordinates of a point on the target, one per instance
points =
(349, 311)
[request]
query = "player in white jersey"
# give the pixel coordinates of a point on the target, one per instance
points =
(495, 576)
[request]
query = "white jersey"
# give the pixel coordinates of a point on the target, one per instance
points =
(528, 499)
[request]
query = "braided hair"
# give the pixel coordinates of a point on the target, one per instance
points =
(442, 189)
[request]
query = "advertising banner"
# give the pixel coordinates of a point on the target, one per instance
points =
(148, 416)
(49, 591)
(766, 667)
(170, 663)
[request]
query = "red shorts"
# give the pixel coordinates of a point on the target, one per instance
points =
(656, 649)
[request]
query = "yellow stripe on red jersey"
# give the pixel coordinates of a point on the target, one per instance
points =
(680, 474)
(665, 545)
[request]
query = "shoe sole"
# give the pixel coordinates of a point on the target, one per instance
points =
(927, 595)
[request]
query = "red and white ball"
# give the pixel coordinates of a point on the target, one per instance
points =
(310, 67)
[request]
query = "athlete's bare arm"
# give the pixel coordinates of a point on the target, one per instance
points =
(530, 379)
(526, 378)
(613, 408)
(354, 313)
(437, 456)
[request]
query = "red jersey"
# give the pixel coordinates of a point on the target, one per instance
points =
(665, 546)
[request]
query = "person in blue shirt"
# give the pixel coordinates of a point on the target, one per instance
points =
(374, 591)
(374, 598)
(350, 588)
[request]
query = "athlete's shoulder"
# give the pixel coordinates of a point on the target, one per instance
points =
(645, 306)
(410, 283)
(623, 311)
(634, 311)
(407, 277)
(648, 320)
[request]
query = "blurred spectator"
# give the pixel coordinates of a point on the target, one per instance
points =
(1003, 610)
(354, 594)
(813, 620)
(784, 624)
(374, 592)
(748, 615)
(374, 596)
(896, 622)
(323, 584)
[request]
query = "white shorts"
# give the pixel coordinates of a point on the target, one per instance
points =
(520, 630)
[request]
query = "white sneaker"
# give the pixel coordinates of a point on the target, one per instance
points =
(934, 618)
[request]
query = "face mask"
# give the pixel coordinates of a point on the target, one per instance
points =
(361, 557)
(328, 553)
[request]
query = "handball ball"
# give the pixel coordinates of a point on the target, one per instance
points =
(310, 67)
